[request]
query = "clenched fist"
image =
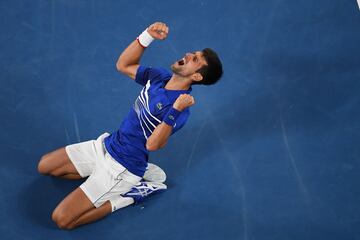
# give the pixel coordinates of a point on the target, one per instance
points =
(158, 30)
(183, 101)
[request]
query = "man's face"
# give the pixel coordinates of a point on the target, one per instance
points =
(189, 64)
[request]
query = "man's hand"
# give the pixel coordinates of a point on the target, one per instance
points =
(158, 30)
(183, 101)
(162, 131)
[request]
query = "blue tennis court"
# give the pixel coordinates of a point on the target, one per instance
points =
(270, 152)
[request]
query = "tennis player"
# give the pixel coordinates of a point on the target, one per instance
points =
(116, 163)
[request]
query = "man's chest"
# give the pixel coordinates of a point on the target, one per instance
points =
(158, 100)
(152, 102)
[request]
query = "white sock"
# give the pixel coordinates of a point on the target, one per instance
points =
(120, 202)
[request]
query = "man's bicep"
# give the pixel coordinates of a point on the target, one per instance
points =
(132, 70)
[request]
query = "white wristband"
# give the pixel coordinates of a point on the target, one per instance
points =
(145, 39)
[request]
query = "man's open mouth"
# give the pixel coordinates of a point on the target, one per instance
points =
(181, 62)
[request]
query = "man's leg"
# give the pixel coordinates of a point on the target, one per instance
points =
(92, 215)
(58, 164)
(68, 214)
(76, 209)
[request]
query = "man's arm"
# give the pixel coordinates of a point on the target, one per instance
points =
(129, 59)
(160, 135)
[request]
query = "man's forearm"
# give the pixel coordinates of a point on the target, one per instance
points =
(129, 59)
(162, 132)
(159, 137)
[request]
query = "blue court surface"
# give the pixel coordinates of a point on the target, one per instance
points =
(270, 152)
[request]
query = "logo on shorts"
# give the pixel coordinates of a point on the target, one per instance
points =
(159, 105)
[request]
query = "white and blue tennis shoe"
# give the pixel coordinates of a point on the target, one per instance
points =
(154, 173)
(143, 189)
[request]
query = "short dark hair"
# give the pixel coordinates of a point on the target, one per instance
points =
(211, 72)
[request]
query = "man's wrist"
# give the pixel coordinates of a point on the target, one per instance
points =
(177, 108)
(145, 39)
(171, 116)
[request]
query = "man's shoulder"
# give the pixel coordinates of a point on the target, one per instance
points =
(160, 72)
(145, 73)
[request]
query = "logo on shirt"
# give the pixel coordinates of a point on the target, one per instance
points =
(159, 105)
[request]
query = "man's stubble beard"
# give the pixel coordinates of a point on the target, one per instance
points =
(177, 71)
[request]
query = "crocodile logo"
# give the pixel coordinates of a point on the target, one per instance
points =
(159, 105)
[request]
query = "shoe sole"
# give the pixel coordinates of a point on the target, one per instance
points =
(154, 173)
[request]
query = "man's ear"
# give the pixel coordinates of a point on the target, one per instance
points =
(197, 77)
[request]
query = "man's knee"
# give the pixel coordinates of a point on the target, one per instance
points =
(62, 220)
(43, 166)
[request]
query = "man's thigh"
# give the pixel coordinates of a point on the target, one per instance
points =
(57, 163)
(71, 208)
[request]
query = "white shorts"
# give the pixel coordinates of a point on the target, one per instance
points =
(107, 177)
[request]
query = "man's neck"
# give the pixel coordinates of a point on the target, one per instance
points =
(177, 83)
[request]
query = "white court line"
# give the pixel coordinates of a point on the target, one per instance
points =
(358, 3)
